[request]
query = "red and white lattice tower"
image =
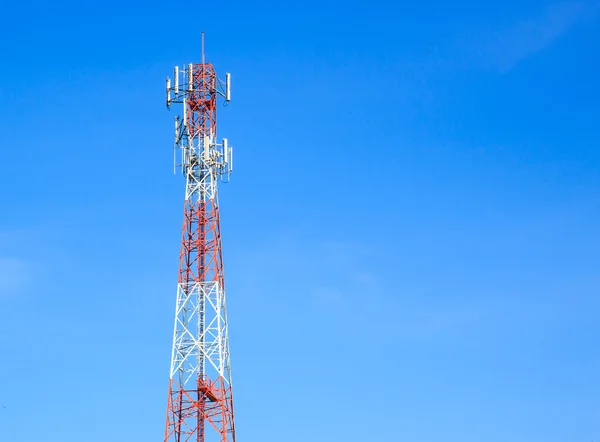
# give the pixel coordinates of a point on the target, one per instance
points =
(200, 405)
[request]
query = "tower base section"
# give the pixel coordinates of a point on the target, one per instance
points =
(189, 411)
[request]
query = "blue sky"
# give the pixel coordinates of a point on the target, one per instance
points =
(410, 235)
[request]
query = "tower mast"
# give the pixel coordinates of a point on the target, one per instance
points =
(200, 402)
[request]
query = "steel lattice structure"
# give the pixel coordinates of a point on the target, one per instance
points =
(200, 393)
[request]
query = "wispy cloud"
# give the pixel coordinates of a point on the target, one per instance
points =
(325, 270)
(15, 272)
(341, 277)
(424, 321)
(501, 49)
(14, 275)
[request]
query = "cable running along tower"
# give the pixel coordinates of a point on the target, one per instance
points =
(200, 403)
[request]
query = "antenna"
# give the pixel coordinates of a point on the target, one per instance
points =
(176, 80)
(168, 91)
(225, 152)
(228, 87)
(184, 112)
(202, 47)
(175, 145)
(190, 77)
(206, 148)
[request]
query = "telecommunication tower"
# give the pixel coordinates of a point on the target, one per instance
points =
(200, 403)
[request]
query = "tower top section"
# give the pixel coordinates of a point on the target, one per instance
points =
(197, 89)
(197, 78)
